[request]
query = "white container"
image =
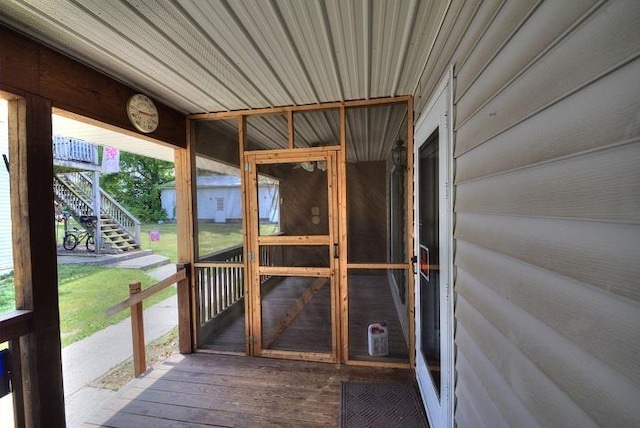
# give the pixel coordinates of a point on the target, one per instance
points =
(378, 339)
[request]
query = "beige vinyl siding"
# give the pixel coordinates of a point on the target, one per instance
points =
(547, 210)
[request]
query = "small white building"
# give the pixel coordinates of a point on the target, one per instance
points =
(6, 246)
(220, 199)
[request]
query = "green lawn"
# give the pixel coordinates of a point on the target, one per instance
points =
(85, 292)
(212, 237)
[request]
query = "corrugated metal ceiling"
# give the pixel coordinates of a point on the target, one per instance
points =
(217, 55)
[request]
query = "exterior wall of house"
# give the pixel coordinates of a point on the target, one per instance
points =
(6, 244)
(207, 203)
(547, 209)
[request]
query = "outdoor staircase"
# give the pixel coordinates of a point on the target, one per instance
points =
(119, 229)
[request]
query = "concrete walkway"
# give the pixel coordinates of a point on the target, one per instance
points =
(88, 359)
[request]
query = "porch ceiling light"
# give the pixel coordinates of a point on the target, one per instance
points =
(399, 154)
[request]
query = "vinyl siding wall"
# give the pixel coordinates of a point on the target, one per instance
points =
(6, 244)
(547, 209)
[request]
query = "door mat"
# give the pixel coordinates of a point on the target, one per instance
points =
(384, 405)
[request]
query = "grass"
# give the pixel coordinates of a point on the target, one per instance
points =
(212, 237)
(85, 293)
(7, 299)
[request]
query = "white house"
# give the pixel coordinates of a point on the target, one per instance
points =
(220, 199)
(6, 252)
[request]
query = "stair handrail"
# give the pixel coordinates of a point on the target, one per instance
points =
(71, 198)
(109, 205)
(117, 212)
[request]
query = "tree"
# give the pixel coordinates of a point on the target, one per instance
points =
(137, 185)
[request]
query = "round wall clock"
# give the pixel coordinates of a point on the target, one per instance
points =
(142, 113)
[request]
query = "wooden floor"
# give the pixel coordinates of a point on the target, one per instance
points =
(370, 301)
(205, 390)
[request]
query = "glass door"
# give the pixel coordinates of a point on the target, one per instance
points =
(433, 232)
(294, 266)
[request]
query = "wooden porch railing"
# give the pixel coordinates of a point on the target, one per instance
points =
(134, 301)
(220, 279)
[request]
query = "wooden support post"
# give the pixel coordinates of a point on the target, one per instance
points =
(185, 339)
(34, 258)
(137, 330)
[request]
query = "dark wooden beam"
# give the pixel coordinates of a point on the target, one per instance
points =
(27, 66)
(35, 262)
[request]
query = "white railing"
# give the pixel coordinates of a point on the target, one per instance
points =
(220, 286)
(72, 149)
(109, 206)
(74, 201)
(81, 206)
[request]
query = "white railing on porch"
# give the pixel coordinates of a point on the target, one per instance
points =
(74, 150)
(220, 279)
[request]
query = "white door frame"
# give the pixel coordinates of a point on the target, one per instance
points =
(437, 115)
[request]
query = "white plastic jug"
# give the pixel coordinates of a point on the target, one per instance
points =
(378, 339)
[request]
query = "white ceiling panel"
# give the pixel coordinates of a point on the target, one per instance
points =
(218, 55)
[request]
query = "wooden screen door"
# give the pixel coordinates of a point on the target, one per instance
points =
(293, 253)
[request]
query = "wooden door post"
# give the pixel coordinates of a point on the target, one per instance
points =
(137, 330)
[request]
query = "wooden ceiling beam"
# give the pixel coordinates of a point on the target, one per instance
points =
(301, 108)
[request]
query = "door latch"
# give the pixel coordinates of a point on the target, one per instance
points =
(414, 260)
(336, 253)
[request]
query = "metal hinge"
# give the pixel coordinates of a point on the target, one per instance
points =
(247, 166)
(250, 256)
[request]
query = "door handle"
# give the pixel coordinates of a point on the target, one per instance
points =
(414, 260)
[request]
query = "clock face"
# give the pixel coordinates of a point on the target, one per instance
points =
(142, 113)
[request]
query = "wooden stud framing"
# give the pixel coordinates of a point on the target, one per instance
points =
(336, 160)
(296, 155)
(219, 265)
(335, 258)
(187, 242)
(252, 233)
(410, 236)
(291, 129)
(342, 208)
(378, 265)
(295, 240)
(308, 107)
(248, 291)
(294, 271)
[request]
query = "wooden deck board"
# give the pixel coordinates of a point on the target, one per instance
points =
(370, 301)
(207, 390)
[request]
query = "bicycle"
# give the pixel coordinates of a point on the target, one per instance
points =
(76, 236)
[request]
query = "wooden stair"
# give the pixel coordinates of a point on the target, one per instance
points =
(115, 238)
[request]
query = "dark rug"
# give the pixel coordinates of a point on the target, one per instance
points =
(383, 405)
